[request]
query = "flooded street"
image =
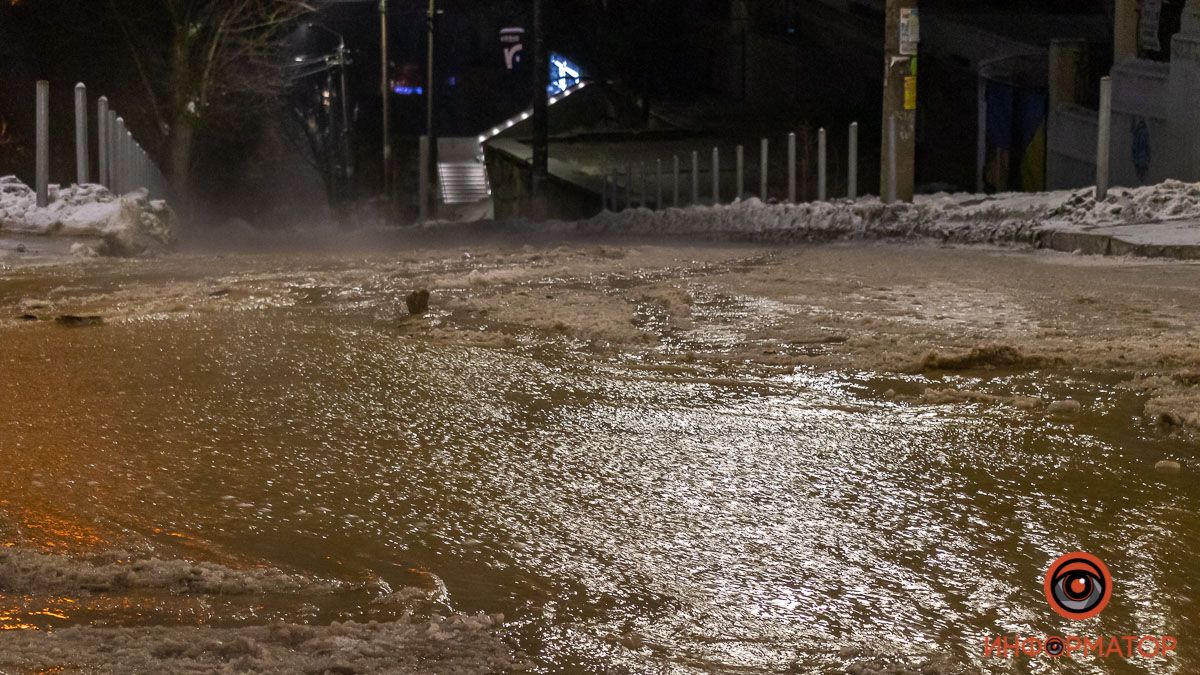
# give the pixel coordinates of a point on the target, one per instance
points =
(647, 457)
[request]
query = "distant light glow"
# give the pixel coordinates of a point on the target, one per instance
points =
(406, 90)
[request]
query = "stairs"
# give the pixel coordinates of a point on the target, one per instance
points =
(463, 182)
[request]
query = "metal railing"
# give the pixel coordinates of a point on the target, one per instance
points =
(627, 187)
(124, 166)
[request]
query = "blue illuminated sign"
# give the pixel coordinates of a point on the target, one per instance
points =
(564, 74)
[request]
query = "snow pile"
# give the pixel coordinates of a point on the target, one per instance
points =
(963, 218)
(132, 224)
(25, 571)
(456, 644)
(943, 217)
(1171, 200)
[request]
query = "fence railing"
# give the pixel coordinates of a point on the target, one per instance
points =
(630, 186)
(124, 166)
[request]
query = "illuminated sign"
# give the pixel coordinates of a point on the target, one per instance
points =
(512, 40)
(564, 74)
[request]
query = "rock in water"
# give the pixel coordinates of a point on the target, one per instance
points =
(74, 321)
(1065, 407)
(1168, 466)
(418, 302)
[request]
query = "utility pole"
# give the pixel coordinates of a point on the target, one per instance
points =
(541, 107)
(347, 154)
(429, 190)
(902, 38)
(385, 91)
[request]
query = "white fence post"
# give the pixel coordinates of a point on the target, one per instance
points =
(102, 141)
(675, 195)
(822, 185)
(1103, 139)
(122, 163)
(791, 159)
(695, 177)
(716, 177)
(42, 161)
(762, 169)
(980, 134)
(642, 187)
(82, 161)
(852, 178)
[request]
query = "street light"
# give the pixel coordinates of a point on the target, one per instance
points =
(341, 61)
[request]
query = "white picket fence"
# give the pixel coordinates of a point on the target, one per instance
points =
(124, 166)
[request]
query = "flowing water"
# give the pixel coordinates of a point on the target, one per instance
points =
(621, 517)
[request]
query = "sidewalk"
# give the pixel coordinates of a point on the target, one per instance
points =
(1177, 239)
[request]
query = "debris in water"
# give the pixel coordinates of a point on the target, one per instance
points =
(1168, 466)
(76, 321)
(418, 302)
(1065, 407)
(28, 317)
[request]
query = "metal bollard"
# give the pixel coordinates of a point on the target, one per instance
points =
(675, 193)
(716, 176)
(642, 187)
(82, 161)
(852, 178)
(1103, 139)
(629, 186)
(122, 180)
(741, 172)
(762, 169)
(695, 177)
(891, 189)
(42, 162)
(792, 168)
(821, 159)
(102, 140)
(658, 186)
(113, 159)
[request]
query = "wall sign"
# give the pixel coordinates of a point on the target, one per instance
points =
(910, 31)
(512, 40)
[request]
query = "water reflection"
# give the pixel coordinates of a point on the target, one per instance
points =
(620, 516)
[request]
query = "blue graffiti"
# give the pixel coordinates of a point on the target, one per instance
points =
(1142, 154)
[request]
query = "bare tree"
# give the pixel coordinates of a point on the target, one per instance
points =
(201, 61)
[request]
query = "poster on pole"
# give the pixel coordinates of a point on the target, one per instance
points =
(910, 31)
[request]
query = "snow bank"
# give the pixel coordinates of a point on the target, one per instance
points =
(132, 224)
(456, 644)
(26, 571)
(965, 218)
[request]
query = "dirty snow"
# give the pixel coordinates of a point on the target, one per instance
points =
(962, 218)
(27, 571)
(455, 644)
(131, 224)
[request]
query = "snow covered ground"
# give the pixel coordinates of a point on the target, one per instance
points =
(132, 224)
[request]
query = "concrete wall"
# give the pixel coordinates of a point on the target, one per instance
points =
(1139, 124)
(568, 195)
(1141, 150)
(1071, 148)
